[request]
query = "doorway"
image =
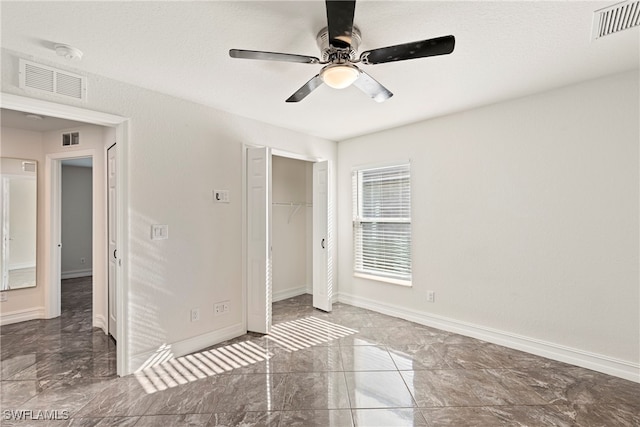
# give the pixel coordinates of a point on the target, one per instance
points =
(76, 237)
(119, 127)
(76, 189)
(263, 212)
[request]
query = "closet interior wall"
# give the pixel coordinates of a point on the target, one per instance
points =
(292, 227)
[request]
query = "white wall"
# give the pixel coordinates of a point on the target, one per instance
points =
(76, 221)
(525, 220)
(178, 153)
(290, 232)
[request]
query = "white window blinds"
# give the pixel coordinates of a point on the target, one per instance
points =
(382, 222)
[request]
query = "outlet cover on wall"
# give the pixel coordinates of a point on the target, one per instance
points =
(221, 308)
(3, 296)
(159, 232)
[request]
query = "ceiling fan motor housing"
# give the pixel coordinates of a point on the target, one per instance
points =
(329, 53)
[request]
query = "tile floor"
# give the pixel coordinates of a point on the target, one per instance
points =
(349, 367)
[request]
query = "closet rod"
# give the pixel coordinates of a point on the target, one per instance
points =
(291, 204)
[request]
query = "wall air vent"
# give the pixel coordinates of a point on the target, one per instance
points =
(29, 166)
(615, 18)
(70, 138)
(44, 79)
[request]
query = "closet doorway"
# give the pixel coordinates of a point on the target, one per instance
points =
(291, 227)
(288, 238)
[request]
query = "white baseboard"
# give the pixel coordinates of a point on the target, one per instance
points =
(21, 265)
(190, 345)
(72, 274)
(288, 293)
(597, 362)
(21, 315)
(100, 322)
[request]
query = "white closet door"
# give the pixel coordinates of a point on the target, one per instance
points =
(322, 279)
(112, 233)
(259, 239)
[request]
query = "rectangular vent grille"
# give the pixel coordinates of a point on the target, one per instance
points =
(616, 18)
(71, 138)
(41, 78)
(28, 166)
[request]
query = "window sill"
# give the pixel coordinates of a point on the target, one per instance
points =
(400, 282)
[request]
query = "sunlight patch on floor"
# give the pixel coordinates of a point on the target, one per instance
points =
(162, 370)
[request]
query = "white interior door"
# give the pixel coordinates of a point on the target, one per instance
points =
(322, 278)
(112, 233)
(259, 240)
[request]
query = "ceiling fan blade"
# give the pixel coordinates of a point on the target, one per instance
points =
(371, 87)
(306, 89)
(340, 22)
(272, 56)
(420, 49)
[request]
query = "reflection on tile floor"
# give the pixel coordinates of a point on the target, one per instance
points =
(349, 367)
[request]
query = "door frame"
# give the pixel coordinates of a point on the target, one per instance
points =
(245, 216)
(121, 125)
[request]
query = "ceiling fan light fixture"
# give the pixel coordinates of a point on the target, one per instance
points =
(339, 76)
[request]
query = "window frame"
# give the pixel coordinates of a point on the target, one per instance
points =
(357, 220)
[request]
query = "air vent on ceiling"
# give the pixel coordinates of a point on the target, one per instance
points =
(70, 138)
(41, 78)
(615, 18)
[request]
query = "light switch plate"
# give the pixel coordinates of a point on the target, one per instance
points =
(159, 232)
(221, 196)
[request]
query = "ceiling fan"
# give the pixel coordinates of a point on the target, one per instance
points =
(339, 42)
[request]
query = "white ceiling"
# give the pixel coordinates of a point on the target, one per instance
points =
(503, 50)
(20, 120)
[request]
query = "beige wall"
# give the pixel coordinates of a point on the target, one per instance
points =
(37, 145)
(23, 144)
(23, 222)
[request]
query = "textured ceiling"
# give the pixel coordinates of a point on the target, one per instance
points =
(20, 120)
(503, 50)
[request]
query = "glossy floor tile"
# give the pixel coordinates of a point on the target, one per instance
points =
(350, 367)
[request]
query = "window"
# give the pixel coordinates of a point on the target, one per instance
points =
(382, 223)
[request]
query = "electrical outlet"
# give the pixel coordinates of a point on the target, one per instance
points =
(159, 232)
(195, 314)
(221, 308)
(431, 296)
(3, 296)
